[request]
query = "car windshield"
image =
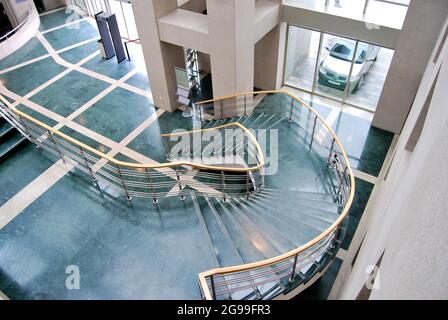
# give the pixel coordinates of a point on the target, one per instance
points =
(344, 51)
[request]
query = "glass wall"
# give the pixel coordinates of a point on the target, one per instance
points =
(389, 13)
(121, 9)
(342, 69)
(303, 47)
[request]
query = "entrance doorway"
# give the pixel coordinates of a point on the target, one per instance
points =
(39, 5)
(5, 24)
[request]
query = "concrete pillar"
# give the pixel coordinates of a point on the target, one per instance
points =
(231, 34)
(299, 42)
(269, 59)
(160, 57)
(423, 23)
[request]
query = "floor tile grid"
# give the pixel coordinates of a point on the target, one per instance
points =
(116, 148)
(88, 72)
(37, 187)
(67, 121)
(71, 67)
(64, 25)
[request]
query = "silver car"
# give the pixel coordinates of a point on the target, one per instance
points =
(335, 68)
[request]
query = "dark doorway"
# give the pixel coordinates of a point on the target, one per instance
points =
(5, 24)
(39, 5)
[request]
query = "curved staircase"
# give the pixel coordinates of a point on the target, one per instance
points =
(273, 226)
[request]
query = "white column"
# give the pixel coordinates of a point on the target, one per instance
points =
(269, 59)
(422, 25)
(160, 57)
(231, 33)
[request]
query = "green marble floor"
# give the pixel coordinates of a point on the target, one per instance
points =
(59, 18)
(114, 243)
(64, 102)
(23, 80)
(77, 54)
(365, 145)
(13, 175)
(31, 50)
(117, 114)
(71, 35)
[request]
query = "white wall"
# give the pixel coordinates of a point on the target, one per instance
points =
(419, 34)
(409, 218)
(22, 36)
(269, 59)
(17, 12)
(299, 43)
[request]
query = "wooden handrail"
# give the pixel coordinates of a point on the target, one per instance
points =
(144, 165)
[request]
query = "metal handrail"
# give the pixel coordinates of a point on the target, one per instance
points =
(146, 165)
(208, 276)
(153, 181)
(6, 36)
(146, 181)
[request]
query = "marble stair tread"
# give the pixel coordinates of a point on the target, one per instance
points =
(298, 235)
(5, 128)
(13, 141)
(249, 253)
(272, 235)
(225, 251)
(308, 200)
(314, 219)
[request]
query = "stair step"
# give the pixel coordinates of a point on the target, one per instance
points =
(268, 121)
(15, 139)
(298, 235)
(245, 246)
(299, 194)
(251, 242)
(314, 217)
(225, 252)
(329, 208)
(263, 241)
(5, 129)
(297, 216)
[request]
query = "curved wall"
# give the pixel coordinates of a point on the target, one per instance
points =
(22, 36)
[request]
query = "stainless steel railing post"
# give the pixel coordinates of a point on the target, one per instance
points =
(223, 186)
(314, 131)
(151, 187)
(128, 196)
(334, 238)
(167, 146)
(86, 162)
(290, 110)
(28, 131)
(50, 136)
(341, 179)
(247, 186)
(291, 278)
(179, 183)
(331, 150)
(245, 105)
(212, 283)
